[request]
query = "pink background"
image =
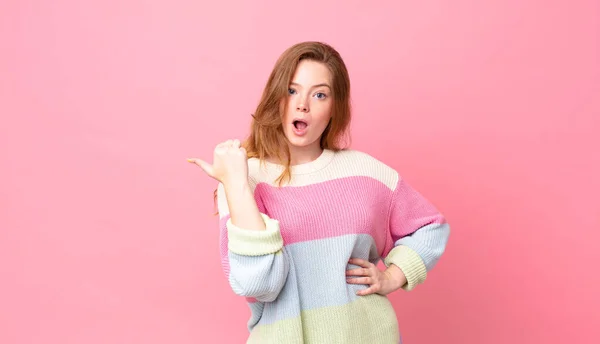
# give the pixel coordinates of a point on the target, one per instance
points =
(489, 108)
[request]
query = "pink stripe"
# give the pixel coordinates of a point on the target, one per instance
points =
(411, 211)
(351, 205)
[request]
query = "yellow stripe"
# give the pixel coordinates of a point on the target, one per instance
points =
(410, 263)
(250, 242)
(369, 319)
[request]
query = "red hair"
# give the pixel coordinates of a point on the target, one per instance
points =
(267, 138)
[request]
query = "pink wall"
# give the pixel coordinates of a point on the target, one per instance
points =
(488, 107)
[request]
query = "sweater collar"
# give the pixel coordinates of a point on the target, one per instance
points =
(318, 164)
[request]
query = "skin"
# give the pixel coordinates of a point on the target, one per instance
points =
(310, 99)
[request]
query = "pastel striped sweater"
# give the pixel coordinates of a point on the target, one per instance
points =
(341, 205)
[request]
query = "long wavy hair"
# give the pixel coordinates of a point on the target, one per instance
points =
(267, 139)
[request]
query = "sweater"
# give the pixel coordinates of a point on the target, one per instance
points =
(345, 204)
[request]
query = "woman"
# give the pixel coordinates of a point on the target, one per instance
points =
(304, 221)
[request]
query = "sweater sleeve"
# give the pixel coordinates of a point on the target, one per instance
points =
(419, 232)
(254, 261)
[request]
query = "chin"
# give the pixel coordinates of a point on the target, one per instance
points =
(301, 142)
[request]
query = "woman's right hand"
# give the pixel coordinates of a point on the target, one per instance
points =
(230, 164)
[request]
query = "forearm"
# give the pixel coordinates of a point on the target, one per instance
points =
(420, 233)
(242, 207)
(258, 266)
(418, 253)
(249, 231)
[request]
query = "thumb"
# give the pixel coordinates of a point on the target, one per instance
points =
(206, 167)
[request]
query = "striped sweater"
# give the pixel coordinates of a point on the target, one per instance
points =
(342, 205)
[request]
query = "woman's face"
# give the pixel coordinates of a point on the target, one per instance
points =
(309, 105)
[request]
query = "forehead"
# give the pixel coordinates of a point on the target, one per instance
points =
(310, 73)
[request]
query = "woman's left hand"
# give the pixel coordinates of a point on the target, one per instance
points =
(380, 282)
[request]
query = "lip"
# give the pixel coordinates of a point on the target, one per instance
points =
(300, 119)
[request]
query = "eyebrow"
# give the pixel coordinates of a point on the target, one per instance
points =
(315, 86)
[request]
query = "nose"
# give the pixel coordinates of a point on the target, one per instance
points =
(301, 107)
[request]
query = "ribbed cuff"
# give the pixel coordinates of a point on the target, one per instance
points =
(410, 263)
(249, 242)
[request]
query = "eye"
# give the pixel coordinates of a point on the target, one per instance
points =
(321, 95)
(291, 91)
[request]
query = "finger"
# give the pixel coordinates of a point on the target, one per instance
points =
(244, 151)
(360, 280)
(370, 290)
(236, 143)
(206, 167)
(360, 262)
(358, 272)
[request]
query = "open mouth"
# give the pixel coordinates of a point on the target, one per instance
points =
(300, 124)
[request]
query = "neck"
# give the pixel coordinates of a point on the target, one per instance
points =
(302, 155)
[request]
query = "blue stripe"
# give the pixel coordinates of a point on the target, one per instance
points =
(313, 283)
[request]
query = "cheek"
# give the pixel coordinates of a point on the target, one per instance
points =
(321, 124)
(323, 114)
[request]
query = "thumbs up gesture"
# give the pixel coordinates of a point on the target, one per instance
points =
(230, 164)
